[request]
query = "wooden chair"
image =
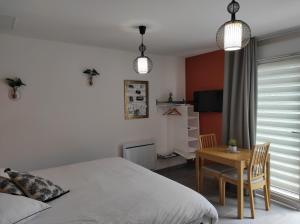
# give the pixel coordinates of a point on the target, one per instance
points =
(211, 169)
(207, 141)
(255, 177)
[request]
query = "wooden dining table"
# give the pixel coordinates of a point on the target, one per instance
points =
(238, 160)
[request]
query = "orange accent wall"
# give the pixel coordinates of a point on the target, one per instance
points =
(206, 72)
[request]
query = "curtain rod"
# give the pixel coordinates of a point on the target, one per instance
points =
(278, 58)
(291, 32)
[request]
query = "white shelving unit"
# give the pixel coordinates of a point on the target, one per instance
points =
(187, 126)
(183, 131)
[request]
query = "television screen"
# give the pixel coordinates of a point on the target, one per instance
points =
(208, 101)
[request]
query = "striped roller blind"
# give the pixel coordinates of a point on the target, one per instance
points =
(278, 122)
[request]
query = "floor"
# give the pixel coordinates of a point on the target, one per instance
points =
(185, 174)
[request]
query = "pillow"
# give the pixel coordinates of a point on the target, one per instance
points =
(2, 173)
(14, 209)
(7, 186)
(36, 187)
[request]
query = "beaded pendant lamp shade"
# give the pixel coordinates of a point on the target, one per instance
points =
(234, 34)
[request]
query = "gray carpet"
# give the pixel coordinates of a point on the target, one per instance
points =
(185, 174)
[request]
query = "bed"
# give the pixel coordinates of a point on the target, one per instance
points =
(114, 190)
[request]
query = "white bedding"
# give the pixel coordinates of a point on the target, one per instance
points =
(113, 190)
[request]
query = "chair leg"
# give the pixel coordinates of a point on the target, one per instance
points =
(221, 190)
(223, 187)
(267, 198)
(201, 175)
(252, 202)
(197, 167)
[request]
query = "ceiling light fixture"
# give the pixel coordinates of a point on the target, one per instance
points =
(142, 64)
(234, 34)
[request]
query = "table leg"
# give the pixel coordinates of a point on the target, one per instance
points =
(240, 189)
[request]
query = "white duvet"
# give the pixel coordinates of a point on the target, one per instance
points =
(116, 191)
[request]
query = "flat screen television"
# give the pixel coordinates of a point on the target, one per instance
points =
(208, 101)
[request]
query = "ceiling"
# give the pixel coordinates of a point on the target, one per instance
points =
(176, 27)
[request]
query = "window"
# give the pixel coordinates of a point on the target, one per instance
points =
(278, 122)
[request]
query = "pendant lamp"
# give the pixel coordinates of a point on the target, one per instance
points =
(142, 64)
(234, 34)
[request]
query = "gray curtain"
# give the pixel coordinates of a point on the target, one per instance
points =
(240, 96)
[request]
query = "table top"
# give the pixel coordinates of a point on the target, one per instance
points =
(222, 152)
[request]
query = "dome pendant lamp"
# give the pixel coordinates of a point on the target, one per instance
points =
(234, 34)
(142, 64)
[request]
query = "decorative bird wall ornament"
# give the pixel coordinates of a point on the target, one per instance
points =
(15, 84)
(91, 73)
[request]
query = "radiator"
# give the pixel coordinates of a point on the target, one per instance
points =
(141, 152)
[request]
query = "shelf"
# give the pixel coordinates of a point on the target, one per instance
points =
(186, 155)
(192, 149)
(192, 139)
(169, 104)
(193, 128)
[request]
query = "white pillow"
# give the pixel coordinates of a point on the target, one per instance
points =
(2, 173)
(16, 209)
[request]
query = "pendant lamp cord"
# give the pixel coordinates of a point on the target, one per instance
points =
(142, 47)
(232, 13)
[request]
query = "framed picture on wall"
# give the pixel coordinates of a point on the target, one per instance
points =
(136, 99)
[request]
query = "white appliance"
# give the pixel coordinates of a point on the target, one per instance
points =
(141, 152)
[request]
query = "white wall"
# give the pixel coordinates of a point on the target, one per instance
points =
(60, 119)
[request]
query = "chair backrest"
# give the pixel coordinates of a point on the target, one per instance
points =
(207, 141)
(258, 161)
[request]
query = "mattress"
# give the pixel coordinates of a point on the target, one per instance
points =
(114, 191)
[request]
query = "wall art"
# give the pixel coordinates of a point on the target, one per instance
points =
(136, 99)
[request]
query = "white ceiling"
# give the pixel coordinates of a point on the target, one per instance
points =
(177, 27)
